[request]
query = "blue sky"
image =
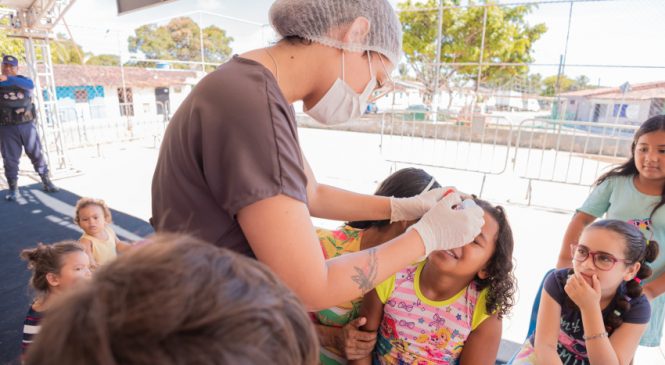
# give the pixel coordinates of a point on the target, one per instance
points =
(622, 32)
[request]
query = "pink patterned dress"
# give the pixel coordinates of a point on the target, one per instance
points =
(416, 330)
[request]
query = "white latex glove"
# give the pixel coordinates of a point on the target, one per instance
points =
(412, 208)
(443, 227)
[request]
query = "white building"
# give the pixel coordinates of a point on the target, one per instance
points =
(96, 92)
(611, 105)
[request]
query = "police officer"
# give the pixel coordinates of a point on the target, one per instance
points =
(17, 130)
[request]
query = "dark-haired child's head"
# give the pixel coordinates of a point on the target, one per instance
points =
(647, 147)
(645, 156)
(615, 252)
(56, 267)
(488, 259)
(178, 300)
(403, 183)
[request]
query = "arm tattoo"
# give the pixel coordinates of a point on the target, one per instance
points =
(366, 276)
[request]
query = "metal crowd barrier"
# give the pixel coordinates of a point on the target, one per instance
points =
(568, 152)
(98, 125)
(480, 144)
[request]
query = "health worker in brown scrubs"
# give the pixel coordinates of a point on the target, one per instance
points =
(231, 170)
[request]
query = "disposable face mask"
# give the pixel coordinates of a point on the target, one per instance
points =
(341, 103)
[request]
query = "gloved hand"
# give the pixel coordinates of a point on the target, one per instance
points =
(408, 209)
(443, 227)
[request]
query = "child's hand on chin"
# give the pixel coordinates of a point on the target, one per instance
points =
(581, 293)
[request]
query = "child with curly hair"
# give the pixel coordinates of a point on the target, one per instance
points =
(448, 308)
(596, 312)
(98, 239)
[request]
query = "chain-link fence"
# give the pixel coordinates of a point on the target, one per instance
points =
(584, 60)
(583, 72)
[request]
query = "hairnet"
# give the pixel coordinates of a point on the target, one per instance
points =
(316, 19)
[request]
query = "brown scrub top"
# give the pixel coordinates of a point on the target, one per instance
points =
(231, 143)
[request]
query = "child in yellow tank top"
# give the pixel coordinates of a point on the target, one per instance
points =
(98, 239)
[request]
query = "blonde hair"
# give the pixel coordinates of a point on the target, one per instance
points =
(86, 202)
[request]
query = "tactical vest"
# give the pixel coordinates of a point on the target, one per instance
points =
(16, 106)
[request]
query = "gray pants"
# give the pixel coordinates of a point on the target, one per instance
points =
(13, 139)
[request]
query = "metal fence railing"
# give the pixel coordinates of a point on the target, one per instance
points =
(545, 150)
(480, 145)
(102, 124)
(568, 152)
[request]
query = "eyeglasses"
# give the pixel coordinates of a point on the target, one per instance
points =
(601, 260)
(386, 87)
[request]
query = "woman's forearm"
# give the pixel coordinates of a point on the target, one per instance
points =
(353, 275)
(332, 203)
(325, 201)
(279, 231)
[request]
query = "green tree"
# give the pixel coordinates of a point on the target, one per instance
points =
(534, 83)
(565, 84)
(65, 51)
(582, 82)
(180, 40)
(508, 39)
(10, 46)
(103, 60)
(62, 50)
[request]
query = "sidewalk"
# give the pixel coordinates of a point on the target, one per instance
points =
(353, 161)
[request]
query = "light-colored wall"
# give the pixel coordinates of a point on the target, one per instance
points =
(108, 106)
(636, 112)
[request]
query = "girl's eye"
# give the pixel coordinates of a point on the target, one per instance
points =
(605, 258)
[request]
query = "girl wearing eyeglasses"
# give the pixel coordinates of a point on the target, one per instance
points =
(595, 313)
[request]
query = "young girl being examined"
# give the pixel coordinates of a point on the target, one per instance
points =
(448, 308)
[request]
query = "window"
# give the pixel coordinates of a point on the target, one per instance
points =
(126, 101)
(620, 110)
(81, 96)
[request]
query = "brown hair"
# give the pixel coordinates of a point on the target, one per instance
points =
(86, 202)
(45, 259)
(178, 300)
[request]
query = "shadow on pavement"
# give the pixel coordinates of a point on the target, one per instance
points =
(38, 217)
